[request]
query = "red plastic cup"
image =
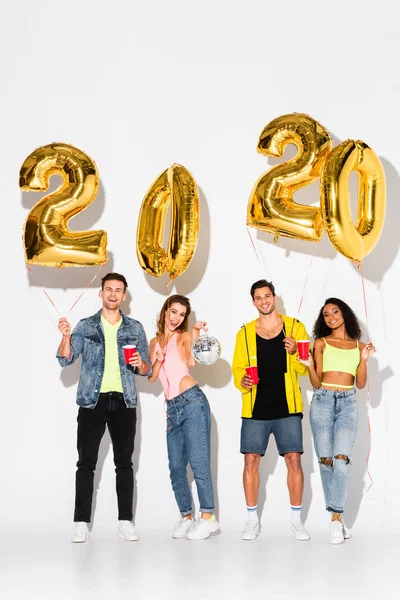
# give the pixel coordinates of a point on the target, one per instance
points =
(303, 346)
(129, 351)
(253, 372)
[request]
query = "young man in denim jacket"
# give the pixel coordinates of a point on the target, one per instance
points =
(106, 396)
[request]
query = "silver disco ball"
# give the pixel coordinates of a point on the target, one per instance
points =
(206, 349)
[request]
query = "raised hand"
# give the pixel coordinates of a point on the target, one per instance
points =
(368, 350)
(200, 325)
(64, 327)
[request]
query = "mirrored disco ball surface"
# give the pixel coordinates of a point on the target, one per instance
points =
(206, 349)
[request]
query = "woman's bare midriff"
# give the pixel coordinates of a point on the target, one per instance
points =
(338, 381)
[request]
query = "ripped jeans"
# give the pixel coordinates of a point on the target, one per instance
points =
(333, 418)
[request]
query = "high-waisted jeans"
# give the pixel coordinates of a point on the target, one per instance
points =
(333, 418)
(188, 440)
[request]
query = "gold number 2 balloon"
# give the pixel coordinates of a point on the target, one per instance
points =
(176, 187)
(47, 239)
(271, 206)
(354, 240)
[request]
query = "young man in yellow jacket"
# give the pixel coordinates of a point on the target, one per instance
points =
(271, 405)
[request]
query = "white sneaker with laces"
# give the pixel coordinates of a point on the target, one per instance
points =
(202, 529)
(336, 534)
(127, 531)
(81, 533)
(251, 530)
(299, 532)
(182, 528)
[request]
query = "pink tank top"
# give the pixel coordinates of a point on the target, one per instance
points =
(173, 369)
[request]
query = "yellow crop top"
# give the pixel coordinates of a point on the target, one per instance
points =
(340, 359)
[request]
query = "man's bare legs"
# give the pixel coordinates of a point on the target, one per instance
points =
(295, 483)
(251, 483)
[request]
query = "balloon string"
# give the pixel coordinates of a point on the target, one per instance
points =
(168, 388)
(46, 294)
(365, 299)
(252, 243)
(167, 415)
(368, 382)
(87, 287)
(304, 288)
(305, 282)
(77, 300)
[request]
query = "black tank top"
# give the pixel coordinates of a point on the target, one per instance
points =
(271, 400)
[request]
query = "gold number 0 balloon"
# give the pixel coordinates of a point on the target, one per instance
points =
(353, 240)
(271, 206)
(48, 240)
(177, 187)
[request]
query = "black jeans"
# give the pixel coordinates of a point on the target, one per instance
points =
(110, 410)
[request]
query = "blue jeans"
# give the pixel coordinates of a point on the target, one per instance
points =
(188, 440)
(333, 418)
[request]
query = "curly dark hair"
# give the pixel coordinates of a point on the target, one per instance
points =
(351, 323)
(161, 317)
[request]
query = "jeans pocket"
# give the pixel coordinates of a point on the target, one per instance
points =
(317, 395)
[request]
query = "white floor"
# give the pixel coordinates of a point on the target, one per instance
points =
(224, 567)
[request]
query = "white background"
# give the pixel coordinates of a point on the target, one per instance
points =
(139, 86)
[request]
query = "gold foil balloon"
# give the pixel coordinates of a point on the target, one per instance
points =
(48, 240)
(271, 207)
(354, 240)
(175, 187)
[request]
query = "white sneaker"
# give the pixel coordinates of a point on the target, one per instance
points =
(346, 532)
(81, 533)
(182, 528)
(202, 529)
(127, 531)
(336, 534)
(251, 530)
(299, 532)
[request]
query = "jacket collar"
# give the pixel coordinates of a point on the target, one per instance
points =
(96, 318)
(287, 322)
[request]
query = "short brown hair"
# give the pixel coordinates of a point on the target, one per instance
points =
(117, 277)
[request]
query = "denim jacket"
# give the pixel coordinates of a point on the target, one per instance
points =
(88, 339)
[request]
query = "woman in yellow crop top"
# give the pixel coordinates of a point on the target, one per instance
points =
(339, 361)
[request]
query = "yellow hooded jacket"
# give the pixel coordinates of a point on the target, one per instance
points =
(294, 367)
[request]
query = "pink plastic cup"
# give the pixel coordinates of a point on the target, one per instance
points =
(129, 351)
(253, 372)
(303, 346)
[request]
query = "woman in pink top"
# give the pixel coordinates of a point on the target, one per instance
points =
(188, 416)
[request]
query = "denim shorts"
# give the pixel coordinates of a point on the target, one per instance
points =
(288, 434)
